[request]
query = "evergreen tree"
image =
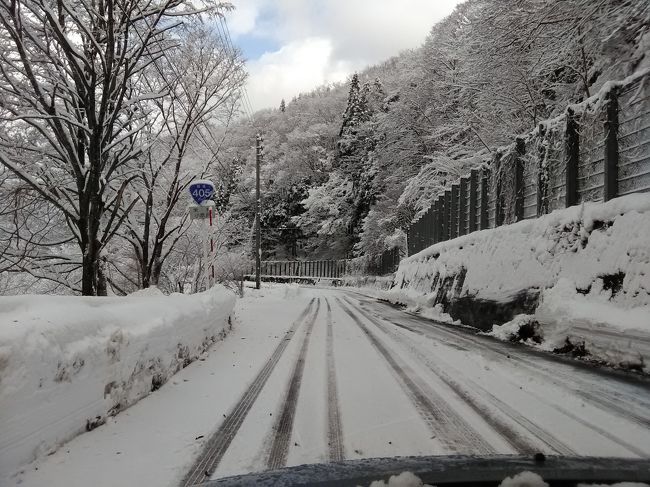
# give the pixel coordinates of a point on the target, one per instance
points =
(355, 111)
(355, 146)
(283, 106)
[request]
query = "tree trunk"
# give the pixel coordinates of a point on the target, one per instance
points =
(102, 289)
(89, 269)
(156, 270)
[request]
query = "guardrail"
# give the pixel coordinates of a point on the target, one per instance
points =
(376, 265)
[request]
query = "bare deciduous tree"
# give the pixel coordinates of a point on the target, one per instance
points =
(204, 78)
(72, 82)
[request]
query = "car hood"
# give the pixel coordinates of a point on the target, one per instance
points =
(450, 470)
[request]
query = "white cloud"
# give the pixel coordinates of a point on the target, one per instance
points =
(242, 19)
(298, 66)
(326, 40)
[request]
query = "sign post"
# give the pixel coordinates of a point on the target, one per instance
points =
(201, 192)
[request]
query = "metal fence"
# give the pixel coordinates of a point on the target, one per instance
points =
(375, 265)
(595, 151)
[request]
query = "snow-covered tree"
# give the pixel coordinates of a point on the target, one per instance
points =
(204, 79)
(74, 104)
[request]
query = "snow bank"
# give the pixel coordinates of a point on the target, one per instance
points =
(588, 327)
(405, 479)
(582, 243)
(367, 282)
(582, 271)
(68, 362)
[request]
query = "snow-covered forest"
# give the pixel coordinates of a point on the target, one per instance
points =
(107, 113)
(347, 167)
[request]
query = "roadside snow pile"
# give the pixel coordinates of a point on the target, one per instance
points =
(524, 479)
(582, 274)
(586, 327)
(405, 479)
(68, 362)
(368, 282)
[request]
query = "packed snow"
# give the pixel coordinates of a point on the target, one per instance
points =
(394, 374)
(155, 440)
(581, 243)
(69, 363)
(522, 479)
(405, 479)
(589, 265)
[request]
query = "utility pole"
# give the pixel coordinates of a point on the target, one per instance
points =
(258, 213)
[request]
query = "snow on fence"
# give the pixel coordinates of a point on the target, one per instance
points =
(597, 150)
(66, 363)
(375, 265)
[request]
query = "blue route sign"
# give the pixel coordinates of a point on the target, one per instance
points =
(201, 191)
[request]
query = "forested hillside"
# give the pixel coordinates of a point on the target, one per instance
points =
(101, 135)
(347, 167)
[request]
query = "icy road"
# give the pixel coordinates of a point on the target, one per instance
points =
(313, 375)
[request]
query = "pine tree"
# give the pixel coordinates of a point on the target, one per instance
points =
(283, 106)
(355, 146)
(354, 112)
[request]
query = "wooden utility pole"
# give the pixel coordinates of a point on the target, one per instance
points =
(258, 213)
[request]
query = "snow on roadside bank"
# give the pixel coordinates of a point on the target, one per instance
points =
(568, 322)
(583, 273)
(68, 362)
(582, 243)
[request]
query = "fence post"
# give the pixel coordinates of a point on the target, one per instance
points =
(572, 151)
(441, 218)
(447, 214)
(611, 146)
(485, 203)
(423, 231)
(462, 203)
(414, 238)
(454, 210)
(520, 147)
(430, 226)
(542, 175)
(499, 215)
(473, 189)
(434, 209)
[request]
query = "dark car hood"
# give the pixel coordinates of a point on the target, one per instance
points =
(450, 470)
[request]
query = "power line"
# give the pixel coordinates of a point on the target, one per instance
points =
(227, 39)
(230, 51)
(182, 85)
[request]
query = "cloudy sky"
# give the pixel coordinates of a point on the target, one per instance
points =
(293, 46)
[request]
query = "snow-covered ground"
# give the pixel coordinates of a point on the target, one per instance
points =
(585, 272)
(69, 363)
(312, 375)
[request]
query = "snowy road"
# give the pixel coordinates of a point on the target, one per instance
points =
(322, 375)
(357, 378)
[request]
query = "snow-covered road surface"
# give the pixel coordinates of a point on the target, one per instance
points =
(312, 375)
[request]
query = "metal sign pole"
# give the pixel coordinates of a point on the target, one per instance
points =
(210, 230)
(201, 192)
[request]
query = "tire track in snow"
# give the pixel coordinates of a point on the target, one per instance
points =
(545, 374)
(601, 398)
(219, 442)
(518, 442)
(284, 427)
(449, 428)
(334, 431)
